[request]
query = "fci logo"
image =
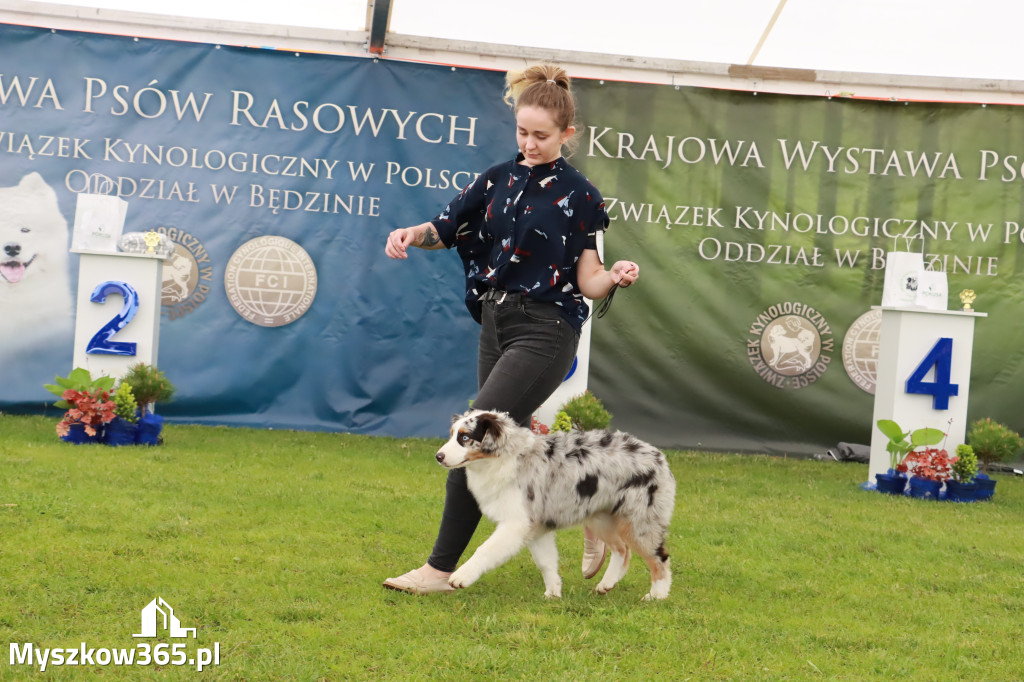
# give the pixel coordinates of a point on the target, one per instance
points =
(158, 611)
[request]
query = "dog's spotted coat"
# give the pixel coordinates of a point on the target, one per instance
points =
(530, 485)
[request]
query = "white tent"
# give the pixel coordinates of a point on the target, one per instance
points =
(902, 49)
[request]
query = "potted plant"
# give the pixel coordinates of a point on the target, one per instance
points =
(86, 402)
(149, 385)
(538, 427)
(900, 444)
(961, 486)
(586, 412)
(124, 428)
(562, 422)
(992, 442)
(929, 469)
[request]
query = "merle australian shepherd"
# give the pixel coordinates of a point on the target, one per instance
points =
(531, 485)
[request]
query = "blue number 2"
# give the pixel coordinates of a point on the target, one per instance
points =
(941, 358)
(100, 342)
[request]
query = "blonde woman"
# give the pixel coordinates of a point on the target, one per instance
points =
(526, 230)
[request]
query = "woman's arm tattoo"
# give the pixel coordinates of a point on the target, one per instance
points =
(430, 238)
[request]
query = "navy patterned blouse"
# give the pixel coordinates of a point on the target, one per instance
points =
(523, 229)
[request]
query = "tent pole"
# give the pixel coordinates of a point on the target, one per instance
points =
(379, 19)
(767, 30)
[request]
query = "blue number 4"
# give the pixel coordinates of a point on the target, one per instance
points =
(941, 358)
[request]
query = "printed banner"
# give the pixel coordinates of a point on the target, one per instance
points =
(277, 176)
(761, 224)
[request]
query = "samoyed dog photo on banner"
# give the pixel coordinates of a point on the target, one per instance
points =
(36, 298)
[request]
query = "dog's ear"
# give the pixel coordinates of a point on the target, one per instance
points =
(489, 425)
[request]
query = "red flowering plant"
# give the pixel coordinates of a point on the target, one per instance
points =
(90, 408)
(538, 427)
(932, 464)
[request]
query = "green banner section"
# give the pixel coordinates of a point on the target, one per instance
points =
(762, 224)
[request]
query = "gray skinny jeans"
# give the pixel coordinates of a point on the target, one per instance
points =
(526, 350)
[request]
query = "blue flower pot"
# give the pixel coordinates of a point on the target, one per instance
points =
(924, 489)
(150, 427)
(961, 492)
(120, 432)
(986, 487)
(76, 434)
(891, 482)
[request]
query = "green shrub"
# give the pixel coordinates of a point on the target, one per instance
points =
(966, 464)
(586, 412)
(562, 422)
(148, 384)
(993, 442)
(124, 403)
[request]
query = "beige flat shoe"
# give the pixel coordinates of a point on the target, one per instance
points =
(414, 583)
(594, 552)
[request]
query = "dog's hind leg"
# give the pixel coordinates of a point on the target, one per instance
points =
(505, 542)
(661, 573)
(648, 541)
(545, 555)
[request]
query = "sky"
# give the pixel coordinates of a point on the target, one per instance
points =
(977, 39)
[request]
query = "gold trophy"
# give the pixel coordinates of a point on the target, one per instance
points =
(967, 297)
(152, 238)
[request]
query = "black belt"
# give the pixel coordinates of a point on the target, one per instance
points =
(501, 296)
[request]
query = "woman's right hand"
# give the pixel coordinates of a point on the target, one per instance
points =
(398, 242)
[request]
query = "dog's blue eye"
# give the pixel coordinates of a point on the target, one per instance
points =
(463, 438)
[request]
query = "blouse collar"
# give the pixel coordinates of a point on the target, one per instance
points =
(557, 164)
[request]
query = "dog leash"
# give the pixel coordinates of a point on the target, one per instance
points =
(600, 309)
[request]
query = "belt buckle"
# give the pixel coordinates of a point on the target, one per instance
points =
(503, 295)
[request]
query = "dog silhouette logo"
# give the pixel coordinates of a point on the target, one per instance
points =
(790, 345)
(159, 612)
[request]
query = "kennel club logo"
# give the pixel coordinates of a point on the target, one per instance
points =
(790, 345)
(860, 350)
(187, 275)
(270, 281)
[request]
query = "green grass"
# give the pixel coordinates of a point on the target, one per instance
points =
(274, 543)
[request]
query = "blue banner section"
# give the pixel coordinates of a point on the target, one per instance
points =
(277, 176)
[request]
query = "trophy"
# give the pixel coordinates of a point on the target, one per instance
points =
(152, 238)
(967, 297)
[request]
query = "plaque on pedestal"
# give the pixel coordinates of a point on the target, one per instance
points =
(117, 319)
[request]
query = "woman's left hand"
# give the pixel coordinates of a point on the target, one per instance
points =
(625, 272)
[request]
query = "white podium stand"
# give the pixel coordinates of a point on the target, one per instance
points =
(924, 375)
(111, 332)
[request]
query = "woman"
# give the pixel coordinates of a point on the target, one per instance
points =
(526, 231)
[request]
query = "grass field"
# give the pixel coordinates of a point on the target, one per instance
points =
(273, 545)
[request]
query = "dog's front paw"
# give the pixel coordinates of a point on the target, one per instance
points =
(462, 578)
(553, 594)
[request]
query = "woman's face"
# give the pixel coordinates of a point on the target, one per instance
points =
(539, 138)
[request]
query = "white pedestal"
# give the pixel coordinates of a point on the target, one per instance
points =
(142, 273)
(575, 382)
(912, 341)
